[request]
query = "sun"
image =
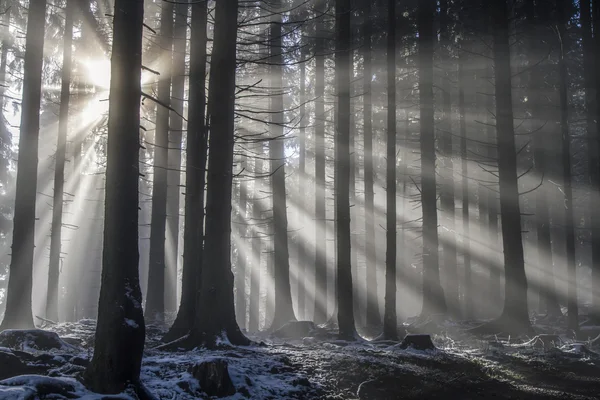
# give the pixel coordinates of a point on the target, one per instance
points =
(98, 73)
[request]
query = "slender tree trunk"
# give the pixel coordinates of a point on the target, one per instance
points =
(194, 176)
(390, 321)
(59, 171)
(373, 315)
(320, 314)
(254, 317)
(468, 280)
(120, 332)
(155, 295)
(342, 199)
(240, 268)
(302, 182)
(174, 156)
(215, 311)
(447, 171)
(593, 113)
(18, 313)
(284, 311)
(515, 317)
(433, 294)
(573, 312)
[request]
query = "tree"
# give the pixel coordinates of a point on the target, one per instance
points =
(59, 171)
(390, 330)
(254, 314)
(284, 311)
(120, 331)
(195, 172)
(596, 166)
(215, 311)
(345, 314)
(18, 313)
(240, 267)
(155, 295)
(433, 295)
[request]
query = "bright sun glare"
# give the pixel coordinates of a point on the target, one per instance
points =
(98, 73)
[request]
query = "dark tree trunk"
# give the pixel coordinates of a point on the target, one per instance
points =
(254, 315)
(563, 20)
(59, 171)
(593, 113)
(284, 311)
(155, 294)
(343, 64)
(120, 331)
(320, 314)
(433, 295)
(373, 315)
(447, 171)
(215, 311)
(466, 239)
(18, 313)
(515, 317)
(390, 322)
(194, 176)
(240, 268)
(174, 156)
(302, 183)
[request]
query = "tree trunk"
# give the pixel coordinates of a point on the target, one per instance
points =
(390, 321)
(284, 311)
(174, 156)
(196, 148)
(215, 311)
(120, 332)
(594, 109)
(302, 182)
(433, 294)
(254, 317)
(155, 295)
(59, 171)
(240, 268)
(18, 313)
(320, 314)
(342, 138)
(373, 315)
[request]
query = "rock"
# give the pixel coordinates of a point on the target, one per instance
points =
(35, 339)
(11, 365)
(42, 386)
(417, 342)
(213, 377)
(295, 330)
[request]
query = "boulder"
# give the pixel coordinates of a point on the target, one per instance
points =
(31, 339)
(417, 342)
(295, 330)
(11, 365)
(213, 377)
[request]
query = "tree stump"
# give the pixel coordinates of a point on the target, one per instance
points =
(214, 378)
(417, 342)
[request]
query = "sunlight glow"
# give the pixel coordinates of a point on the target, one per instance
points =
(98, 73)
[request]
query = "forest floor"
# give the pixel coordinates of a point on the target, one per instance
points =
(461, 367)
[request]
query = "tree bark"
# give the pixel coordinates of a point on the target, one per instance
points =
(120, 331)
(594, 109)
(18, 313)
(433, 294)
(254, 314)
(155, 294)
(59, 170)
(302, 182)
(240, 268)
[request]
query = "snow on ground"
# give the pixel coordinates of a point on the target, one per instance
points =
(463, 367)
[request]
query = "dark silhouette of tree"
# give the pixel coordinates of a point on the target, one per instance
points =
(120, 331)
(18, 313)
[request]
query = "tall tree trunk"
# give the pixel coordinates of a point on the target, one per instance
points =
(18, 313)
(59, 171)
(320, 313)
(563, 16)
(240, 268)
(215, 311)
(594, 109)
(447, 170)
(433, 294)
(284, 311)
(390, 321)
(302, 181)
(174, 156)
(343, 64)
(254, 317)
(373, 315)
(120, 332)
(466, 239)
(195, 172)
(515, 317)
(155, 295)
